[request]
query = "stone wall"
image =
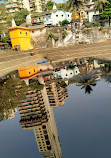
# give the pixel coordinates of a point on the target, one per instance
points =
(85, 36)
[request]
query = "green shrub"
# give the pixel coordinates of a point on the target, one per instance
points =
(101, 28)
(50, 35)
(64, 23)
(60, 23)
(64, 34)
(56, 38)
(63, 84)
(26, 25)
(96, 23)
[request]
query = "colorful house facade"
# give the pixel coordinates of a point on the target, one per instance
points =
(27, 72)
(20, 38)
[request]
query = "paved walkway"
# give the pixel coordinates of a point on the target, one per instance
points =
(13, 60)
(97, 50)
(10, 61)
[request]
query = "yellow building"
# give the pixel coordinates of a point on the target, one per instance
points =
(27, 72)
(20, 38)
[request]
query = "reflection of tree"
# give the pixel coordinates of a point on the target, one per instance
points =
(12, 90)
(87, 81)
(35, 85)
(106, 72)
(108, 78)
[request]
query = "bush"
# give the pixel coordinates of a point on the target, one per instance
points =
(50, 35)
(63, 84)
(60, 23)
(64, 34)
(96, 23)
(101, 28)
(56, 38)
(64, 23)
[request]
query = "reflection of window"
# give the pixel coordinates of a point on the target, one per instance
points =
(43, 126)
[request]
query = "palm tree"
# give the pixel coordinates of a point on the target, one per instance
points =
(99, 4)
(74, 4)
(87, 81)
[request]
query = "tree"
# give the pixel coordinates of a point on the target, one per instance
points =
(12, 91)
(107, 12)
(74, 4)
(4, 25)
(62, 6)
(87, 81)
(20, 16)
(49, 5)
(100, 4)
(35, 85)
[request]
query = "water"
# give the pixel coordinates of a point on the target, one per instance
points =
(81, 119)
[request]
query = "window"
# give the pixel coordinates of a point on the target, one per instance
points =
(32, 31)
(26, 33)
(62, 15)
(40, 30)
(43, 126)
(29, 72)
(56, 15)
(68, 15)
(34, 70)
(20, 32)
(66, 74)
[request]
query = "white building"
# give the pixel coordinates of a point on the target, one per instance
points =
(55, 16)
(90, 8)
(66, 74)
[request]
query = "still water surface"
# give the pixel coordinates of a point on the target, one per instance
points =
(83, 120)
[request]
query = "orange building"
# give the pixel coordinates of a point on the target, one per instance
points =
(27, 72)
(20, 38)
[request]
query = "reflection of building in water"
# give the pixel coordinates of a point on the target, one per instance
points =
(66, 73)
(10, 114)
(37, 114)
(56, 94)
(98, 63)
